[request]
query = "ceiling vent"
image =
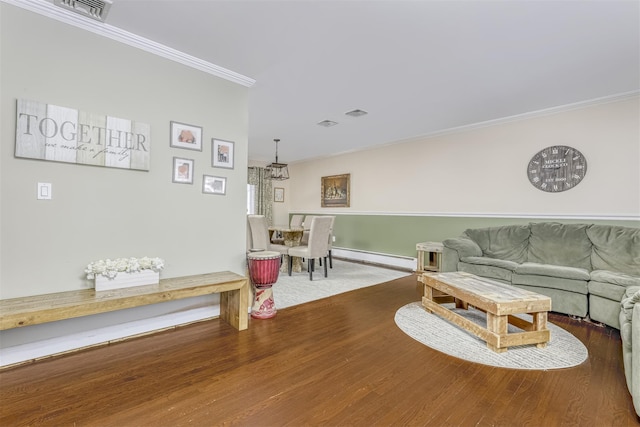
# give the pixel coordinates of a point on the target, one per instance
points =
(327, 123)
(356, 113)
(94, 9)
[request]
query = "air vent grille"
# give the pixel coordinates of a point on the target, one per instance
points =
(327, 123)
(95, 9)
(356, 113)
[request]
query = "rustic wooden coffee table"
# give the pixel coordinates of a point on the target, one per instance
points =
(498, 300)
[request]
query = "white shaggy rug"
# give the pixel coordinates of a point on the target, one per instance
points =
(562, 351)
(343, 277)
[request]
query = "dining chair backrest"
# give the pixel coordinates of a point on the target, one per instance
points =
(296, 220)
(259, 232)
(319, 237)
(307, 226)
(333, 220)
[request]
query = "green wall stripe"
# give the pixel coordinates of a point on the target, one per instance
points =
(398, 235)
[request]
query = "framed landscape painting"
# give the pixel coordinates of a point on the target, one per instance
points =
(335, 191)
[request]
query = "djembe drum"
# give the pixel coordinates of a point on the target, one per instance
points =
(263, 272)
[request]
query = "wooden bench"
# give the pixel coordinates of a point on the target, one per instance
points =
(233, 289)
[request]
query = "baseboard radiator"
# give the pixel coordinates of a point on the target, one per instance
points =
(385, 260)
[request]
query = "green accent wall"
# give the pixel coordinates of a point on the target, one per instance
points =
(398, 234)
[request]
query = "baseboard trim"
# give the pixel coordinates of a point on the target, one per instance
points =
(384, 260)
(38, 350)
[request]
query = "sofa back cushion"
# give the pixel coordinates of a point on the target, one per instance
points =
(560, 244)
(615, 248)
(509, 242)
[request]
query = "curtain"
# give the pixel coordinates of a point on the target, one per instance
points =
(263, 199)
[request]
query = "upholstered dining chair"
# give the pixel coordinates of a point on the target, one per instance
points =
(307, 226)
(260, 236)
(318, 246)
(333, 219)
(296, 220)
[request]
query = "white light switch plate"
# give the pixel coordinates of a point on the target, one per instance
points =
(44, 191)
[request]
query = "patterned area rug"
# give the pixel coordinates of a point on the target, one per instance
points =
(562, 351)
(345, 276)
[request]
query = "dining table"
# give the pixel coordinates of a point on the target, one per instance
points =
(292, 237)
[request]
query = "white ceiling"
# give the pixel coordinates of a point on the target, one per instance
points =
(417, 67)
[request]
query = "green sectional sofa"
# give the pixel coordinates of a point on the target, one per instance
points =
(586, 269)
(630, 334)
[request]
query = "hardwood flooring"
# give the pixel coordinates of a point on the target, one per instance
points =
(340, 361)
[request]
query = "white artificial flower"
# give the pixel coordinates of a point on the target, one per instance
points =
(110, 268)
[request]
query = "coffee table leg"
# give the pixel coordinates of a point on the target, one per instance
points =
(428, 295)
(540, 324)
(499, 326)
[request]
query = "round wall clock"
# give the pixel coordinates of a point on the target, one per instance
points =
(557, 168)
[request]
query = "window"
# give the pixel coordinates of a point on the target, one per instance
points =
(251, 199)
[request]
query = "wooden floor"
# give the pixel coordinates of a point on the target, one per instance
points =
(335, 362)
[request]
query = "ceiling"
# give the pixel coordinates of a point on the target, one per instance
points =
(417, 67)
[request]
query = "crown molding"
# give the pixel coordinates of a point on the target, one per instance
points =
(51, 11)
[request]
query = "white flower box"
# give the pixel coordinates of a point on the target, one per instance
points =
(126, 280)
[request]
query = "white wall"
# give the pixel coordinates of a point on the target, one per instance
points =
(99, 212)
(482, 170)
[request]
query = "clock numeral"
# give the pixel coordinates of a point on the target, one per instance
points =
(555, 186)
(544, 154)
(535, 179)
(554, 151)
(575, 158)
(576, 176)
(533, 171)
(579, 167)
(544, 185)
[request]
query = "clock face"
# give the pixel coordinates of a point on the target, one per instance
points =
(557, 168)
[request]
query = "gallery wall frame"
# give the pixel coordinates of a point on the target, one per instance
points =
(182, 170)
(214, 185)
(222, 153)
(335, 191)
(185, 136)
(278, 194)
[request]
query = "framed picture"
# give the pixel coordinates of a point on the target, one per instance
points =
(186, 136)
(182, 170)
(222, 153)
(335, 191)
(278, 194)
(214, 184)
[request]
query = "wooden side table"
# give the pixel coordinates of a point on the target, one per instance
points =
(429, 257)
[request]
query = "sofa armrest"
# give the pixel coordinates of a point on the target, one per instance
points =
(635, 358)
(450, 260)
(456, 248)
(464, 246)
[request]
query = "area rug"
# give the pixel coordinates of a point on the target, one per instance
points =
(345, 276)
(562, 351)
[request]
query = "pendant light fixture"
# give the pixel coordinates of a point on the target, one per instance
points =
(279, 171)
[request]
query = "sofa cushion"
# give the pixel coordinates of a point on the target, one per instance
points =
(615, 278)
(552, 271)
(606, 290)
(489, 271)
(482, 260)
(560, 244)
(615, 248)
(465, 246)
(508, 242)
(561, 284)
